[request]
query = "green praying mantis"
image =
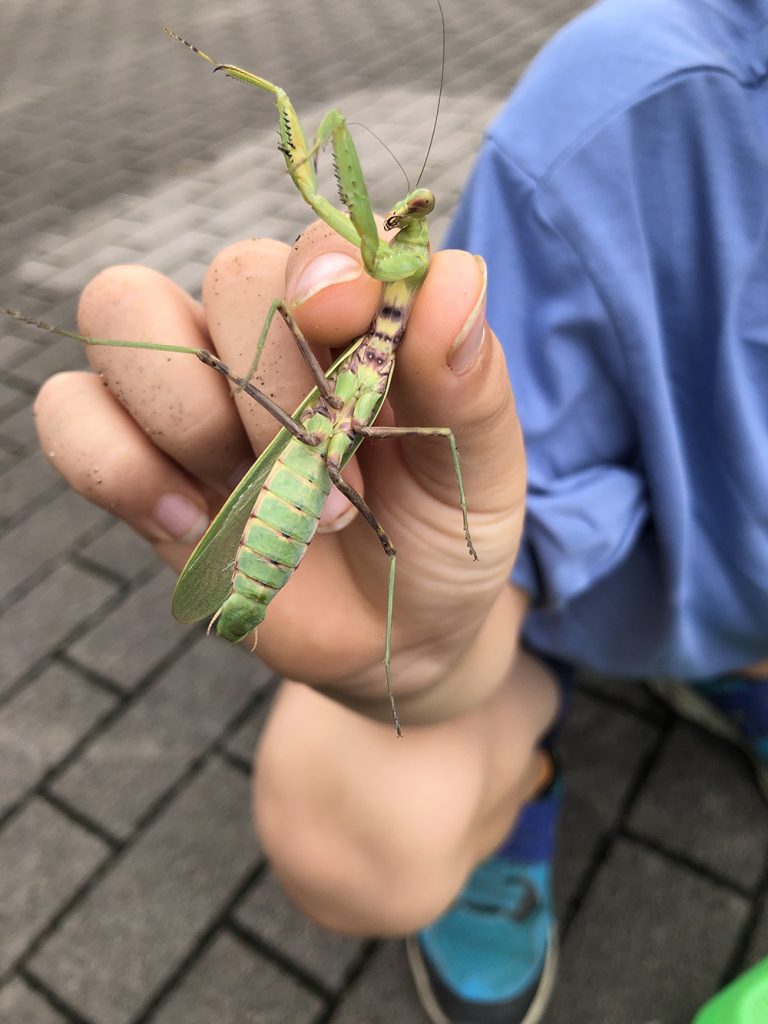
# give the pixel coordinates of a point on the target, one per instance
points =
(258, 538)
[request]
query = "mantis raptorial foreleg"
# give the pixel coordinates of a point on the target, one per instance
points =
(359, 228)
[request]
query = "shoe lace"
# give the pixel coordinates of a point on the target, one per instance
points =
(519, 901)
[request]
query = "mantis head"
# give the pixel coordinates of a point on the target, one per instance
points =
(417, 204)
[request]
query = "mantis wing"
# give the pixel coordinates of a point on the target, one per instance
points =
(206, 579)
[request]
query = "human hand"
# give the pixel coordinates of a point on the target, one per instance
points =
(163, 443)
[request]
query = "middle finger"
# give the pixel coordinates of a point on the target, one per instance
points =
(240, 286)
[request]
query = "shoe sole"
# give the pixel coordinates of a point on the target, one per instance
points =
(432, 1007)
(697, 709)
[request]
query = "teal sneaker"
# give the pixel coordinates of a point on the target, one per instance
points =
(492, 957)
(734, 707)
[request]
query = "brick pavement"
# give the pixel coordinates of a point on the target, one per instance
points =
(131, 889)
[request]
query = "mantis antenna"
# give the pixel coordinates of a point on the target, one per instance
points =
(439, 96)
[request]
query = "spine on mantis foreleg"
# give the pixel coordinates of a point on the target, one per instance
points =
(281, 525)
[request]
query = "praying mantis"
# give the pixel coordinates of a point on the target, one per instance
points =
(258, 538)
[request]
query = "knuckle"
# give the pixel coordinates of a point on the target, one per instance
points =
(111, 287)
(243, 258)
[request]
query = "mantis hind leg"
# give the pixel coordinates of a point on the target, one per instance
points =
(324, 386)
(445, 432)
(240, 384)
(389, 550)
(299, 157)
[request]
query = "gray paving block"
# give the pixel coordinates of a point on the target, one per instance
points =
(7, 457)
(136, 925)
(15, 350)
(29, 482)
(50, 530)
(268, 913)
(650, 943)
(45, 859)
(59, 356)
(242, 743)
(136, 635)
(19, 1004)
(39, 621)
(41, 724)
(231, 984)
(18, 429)
(190, 274)
(630, 692)
(144, 752)
(11, 398)
(701, 801)
(383, 992)
(758, 946)
(601, 751)
(121, 550)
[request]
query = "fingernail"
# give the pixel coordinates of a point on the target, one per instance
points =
(180, 518)
(469, 341)
(321, 272)
(337, 512)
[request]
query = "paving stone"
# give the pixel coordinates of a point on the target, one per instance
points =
(19, 1004)
(18, 429)
(135, 637)
(58, 356)
(39, 621)
(73, 279)
(231, 984)
(190, 275)
(268, 913)
(121, 550)
(11, 398)
(242, 743)
(30, 480)
(711, 812)
(45, 859)
(49, 530)
(600, 751)
(41, 724)
(630, 692)
(7, 458)
(136, 925)
(143, 753)
(14, 350)
(383, 992)
(758, 946)
(650, 943)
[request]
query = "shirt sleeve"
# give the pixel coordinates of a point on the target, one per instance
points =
(586, 503)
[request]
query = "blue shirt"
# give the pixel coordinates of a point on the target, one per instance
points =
(621, 202)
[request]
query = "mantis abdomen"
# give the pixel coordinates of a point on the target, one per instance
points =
(281, 525)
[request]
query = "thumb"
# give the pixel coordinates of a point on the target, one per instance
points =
(451, 372)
